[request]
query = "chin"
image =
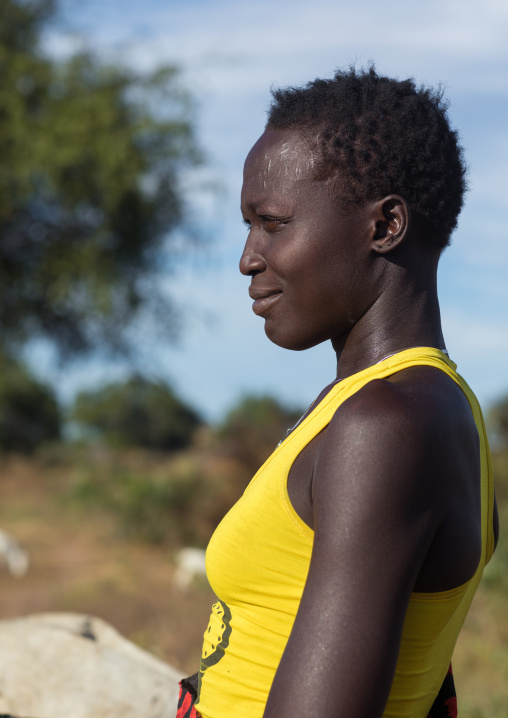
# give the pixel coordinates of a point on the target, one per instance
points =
(290, 341)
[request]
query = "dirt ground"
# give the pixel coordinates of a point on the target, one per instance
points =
(81, 564)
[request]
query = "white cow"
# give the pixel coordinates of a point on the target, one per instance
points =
(13, 555)
(190, 564)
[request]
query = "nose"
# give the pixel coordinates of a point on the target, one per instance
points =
(251, 261)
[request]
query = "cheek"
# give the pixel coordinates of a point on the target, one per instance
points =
(303, 261)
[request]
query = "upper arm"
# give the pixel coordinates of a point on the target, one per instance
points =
(376, 512)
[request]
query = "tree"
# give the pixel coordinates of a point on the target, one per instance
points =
(29, 413)
(253, 428)
(91, 156)
(497, 419)
(497, 425)
(137, 412)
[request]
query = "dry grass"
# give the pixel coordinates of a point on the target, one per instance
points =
(80, 562)
(481, 658)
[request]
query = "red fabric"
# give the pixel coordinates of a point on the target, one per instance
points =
(445, 705)
(451, 703)
(185, 707)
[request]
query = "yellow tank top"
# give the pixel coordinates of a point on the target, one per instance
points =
(257, 563)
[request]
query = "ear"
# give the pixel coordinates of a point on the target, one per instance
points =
(391, 223)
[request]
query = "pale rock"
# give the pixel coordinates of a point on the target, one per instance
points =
(63, 665)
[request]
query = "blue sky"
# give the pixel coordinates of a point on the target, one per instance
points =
(231, 53)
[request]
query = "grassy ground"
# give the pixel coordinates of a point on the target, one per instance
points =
(480, 662)
(82, 561)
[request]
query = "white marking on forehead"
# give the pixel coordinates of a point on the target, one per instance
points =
(281, 165)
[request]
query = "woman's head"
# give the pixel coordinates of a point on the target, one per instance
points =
(313, 262)
(380, 136)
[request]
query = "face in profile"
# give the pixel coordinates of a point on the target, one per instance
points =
(308, 257)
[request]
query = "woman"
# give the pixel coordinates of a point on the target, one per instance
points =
(346, 570)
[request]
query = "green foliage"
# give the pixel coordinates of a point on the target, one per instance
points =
(253, 428)
(174, 502)
(496, 573)
(152, 509)
(497, 422)
(29, 413)
(137, 412)
(89, 189)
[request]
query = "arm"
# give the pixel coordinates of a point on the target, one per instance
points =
(377, 508)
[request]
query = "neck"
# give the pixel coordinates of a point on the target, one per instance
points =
(405, 315)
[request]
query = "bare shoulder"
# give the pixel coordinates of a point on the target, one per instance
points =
(421, 398)
(396, 457)
(420, 413)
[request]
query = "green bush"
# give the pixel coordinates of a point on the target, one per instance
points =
(29, 412)
(496, 573)
(497, 424)
(175, 508)
(137, 412)
(254, 427)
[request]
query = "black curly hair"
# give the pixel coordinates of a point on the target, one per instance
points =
(384, 136)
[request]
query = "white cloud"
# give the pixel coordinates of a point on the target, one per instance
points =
(284, 40)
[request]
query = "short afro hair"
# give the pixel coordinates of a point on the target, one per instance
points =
(384, 136)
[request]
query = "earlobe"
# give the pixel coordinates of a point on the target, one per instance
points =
(392, 222)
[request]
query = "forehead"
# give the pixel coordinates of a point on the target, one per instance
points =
(279, 160)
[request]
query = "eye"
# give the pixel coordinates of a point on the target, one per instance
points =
(270, 220)
(273, 224)
(246, 222)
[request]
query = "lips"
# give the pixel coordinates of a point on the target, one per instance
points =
(264, 298)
